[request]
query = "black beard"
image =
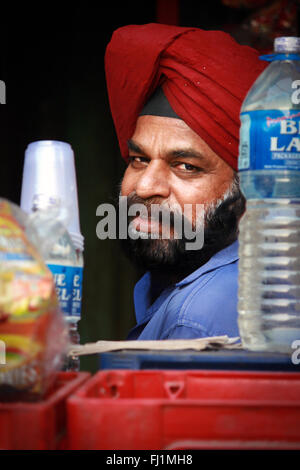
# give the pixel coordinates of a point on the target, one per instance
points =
(169, 258)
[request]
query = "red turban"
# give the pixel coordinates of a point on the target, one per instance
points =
(205, 76)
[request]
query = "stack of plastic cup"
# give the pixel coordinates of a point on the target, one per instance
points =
(49, 181)
(49, 176)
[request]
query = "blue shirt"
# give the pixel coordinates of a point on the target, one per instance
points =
(203, 304)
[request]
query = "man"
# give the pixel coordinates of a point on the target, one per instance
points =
(175, 95)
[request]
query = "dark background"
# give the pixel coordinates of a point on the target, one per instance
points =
(51, 59)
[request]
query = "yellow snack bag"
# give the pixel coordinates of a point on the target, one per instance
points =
(32, 328)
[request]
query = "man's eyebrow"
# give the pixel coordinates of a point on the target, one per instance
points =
(186, 153)
(133, 146)
(180, 153)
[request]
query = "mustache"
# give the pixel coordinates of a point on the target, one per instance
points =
(133, 198)
(156, 209)
(168, 214)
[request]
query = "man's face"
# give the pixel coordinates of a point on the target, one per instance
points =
(170, 165)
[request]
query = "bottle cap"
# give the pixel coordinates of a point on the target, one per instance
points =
(49, 179)
(287, 44)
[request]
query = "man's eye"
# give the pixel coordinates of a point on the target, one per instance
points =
(137, 161)
(188, 168)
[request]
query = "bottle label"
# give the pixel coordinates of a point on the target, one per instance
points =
(77, 291)
(270, 139)
(68, 283)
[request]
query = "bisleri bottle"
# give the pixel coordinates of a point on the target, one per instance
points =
(269, 171)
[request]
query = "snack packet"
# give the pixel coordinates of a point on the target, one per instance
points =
(32, 327)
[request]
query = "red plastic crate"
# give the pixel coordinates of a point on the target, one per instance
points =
(40, 425)
(125, 409)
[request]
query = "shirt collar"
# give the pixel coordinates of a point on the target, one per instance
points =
(221, 258)
(142, 298)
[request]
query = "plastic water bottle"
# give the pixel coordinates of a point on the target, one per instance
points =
(269, 170)
(66, 264)
(49, 186)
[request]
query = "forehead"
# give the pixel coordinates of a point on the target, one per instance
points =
(163, 128)
(158, 137)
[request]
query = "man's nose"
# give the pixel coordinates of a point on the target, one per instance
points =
(153, 181)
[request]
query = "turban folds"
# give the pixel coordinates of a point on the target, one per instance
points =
(205, 76)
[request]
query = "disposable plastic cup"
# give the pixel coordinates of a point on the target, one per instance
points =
(49, 178)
